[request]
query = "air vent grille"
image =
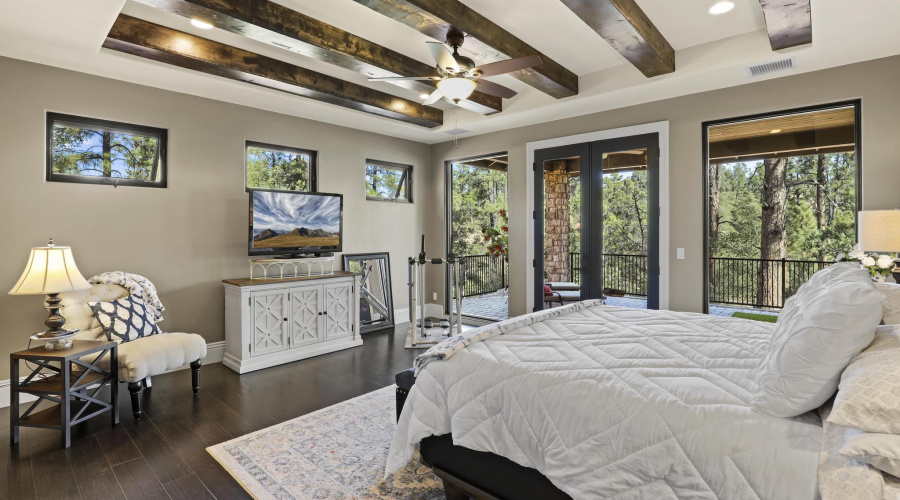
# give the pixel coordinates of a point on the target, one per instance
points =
(771, 67)
(456, 131)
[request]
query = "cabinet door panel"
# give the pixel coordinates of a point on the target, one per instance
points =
(269, 322)
(338, 310)
(306, 317)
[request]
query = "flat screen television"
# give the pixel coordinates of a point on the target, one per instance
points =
(290, 224)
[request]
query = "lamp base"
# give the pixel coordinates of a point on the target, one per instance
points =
(55, 340)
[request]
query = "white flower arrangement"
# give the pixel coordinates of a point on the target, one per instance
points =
(879, 265)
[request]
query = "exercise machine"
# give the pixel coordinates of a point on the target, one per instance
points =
(420, 330)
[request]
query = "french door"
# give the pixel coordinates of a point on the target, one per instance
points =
(570, 252)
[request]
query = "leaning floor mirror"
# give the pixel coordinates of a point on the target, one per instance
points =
(376, 304)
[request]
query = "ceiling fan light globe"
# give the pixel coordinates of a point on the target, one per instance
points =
(457, 88)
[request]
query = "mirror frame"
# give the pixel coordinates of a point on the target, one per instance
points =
(389, 292)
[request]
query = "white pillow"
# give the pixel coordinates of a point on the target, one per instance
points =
(868, 397)
(881, 451)
(891, 294)
(830, 320)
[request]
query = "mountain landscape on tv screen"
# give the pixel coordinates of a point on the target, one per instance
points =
(288, 220)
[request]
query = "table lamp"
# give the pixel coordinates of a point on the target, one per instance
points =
(879, 231)
(51, 270)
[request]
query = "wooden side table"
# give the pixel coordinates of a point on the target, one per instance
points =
(73, 387)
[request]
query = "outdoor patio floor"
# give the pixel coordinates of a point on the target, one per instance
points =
(496, 307)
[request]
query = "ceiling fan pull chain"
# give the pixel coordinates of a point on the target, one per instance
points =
(455, 129)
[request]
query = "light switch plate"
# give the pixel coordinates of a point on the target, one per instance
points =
(434, 296)
(679, 253)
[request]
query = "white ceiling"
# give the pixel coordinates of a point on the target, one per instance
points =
(711, 52)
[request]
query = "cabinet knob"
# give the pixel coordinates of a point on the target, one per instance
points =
(285, 319)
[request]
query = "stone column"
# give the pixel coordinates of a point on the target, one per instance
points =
(556, 221)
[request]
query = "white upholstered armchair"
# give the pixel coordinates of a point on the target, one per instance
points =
(139, 359)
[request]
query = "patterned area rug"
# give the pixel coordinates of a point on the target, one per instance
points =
(336, 452)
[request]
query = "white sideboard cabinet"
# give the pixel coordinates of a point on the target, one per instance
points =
(269, 322)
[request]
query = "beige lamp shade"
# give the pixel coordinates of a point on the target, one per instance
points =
(50, 269)
(879, 230)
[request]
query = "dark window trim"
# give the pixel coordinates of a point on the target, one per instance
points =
(95, 123)
(313, 164)
(857, 107)
(406, 180)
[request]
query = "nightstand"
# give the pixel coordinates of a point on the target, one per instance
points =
(73, 385)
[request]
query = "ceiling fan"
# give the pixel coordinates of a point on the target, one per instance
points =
(458, 76)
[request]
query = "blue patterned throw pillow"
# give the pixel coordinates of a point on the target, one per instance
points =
(125, 319)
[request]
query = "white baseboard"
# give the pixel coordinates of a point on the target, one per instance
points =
(402, 315)
(215, 351)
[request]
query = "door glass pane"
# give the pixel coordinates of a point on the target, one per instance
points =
(782, 200)
(479, 236)
(562, 231)
(625, 228)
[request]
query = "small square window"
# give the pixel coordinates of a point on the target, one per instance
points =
(280, 167)
(91, 151)
(388, 181)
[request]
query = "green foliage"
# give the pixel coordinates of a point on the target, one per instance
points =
(574, 214)
(479, 194)
(624, 213)
(383, 182)
(768, 318)
(497, 239)
(740, 210)
(103, 153)
(271, 169)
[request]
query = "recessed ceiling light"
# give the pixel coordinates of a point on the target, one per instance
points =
(775, 131)
(201, 24)
(424, 96)
(721, 7)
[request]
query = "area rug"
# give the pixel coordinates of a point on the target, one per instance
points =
(336, 452)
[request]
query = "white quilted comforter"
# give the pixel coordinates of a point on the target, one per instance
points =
(620, 403)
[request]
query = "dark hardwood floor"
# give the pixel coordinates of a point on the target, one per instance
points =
(163, 456)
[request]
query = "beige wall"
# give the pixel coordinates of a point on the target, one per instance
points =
(190, 236)
(875, 82)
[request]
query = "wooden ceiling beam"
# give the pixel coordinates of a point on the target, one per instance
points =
(789, 22)
(152, 41)
(624, 25)
(849, 148)
(801, 143)
(273, 24)
(485, 42)
(625, 161)
(487, 164)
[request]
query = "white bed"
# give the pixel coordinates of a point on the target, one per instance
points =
(620, 403)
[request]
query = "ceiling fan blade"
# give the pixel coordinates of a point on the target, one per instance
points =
(489, 87)
(443, 56)
(508, 66)
(402, 78)
(433, 98)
